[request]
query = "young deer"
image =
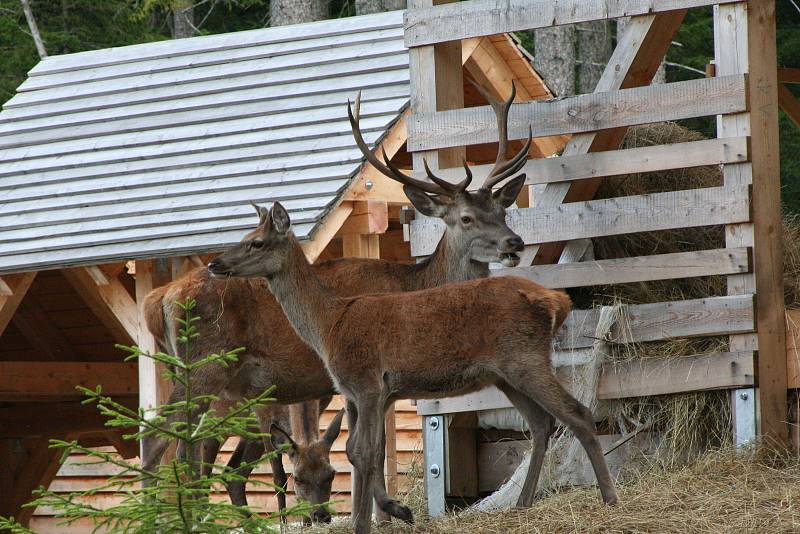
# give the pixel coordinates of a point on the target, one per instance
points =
(243, 313)
(437, 342)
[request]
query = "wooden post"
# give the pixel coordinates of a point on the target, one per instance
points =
(154, 390)
(745, 43)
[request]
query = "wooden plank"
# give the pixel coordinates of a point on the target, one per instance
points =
(38, 468)
(789, 104)
(486, 17)
(154, 389)
(767, 220)
(623, 215)
(581, 113)
(462, 456)
(793, 349)
(47, 380)
(50, 419)
(33, 322)
(368, 217)
(19, 285)
(111, 303)
(625, 161)
(325, 232)
(663, 320)
(646, 377)
(788, 75)
(638, 269)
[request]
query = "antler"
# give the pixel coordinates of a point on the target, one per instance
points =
(503, 168)
(438, 187)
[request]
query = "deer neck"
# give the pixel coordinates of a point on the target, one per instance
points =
(450, 263)
(307, 304)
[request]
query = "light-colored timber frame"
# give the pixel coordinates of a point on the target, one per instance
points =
(359, 220)
(744, 94)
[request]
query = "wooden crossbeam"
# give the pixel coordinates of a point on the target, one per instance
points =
(37, 327)
(368, 217)
(789, 104)
(110, 301)
(638, 269)
(625, 161)
(614, 216)
(51, 419)
(581, 113)
(42, 381)
(789, 75)
(438, 24)
(17, 285)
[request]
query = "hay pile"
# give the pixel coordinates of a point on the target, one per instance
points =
(722, 492)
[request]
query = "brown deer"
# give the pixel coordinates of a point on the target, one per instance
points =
(241, 312)
(431, 343)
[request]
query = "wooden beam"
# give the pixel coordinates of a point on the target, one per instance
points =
(367, 217)
(614, 216)
(637, 269)
(110, 302)
(52, 419)
(789, 104)
(34, 464)
(55, 380)
(35, 325)
(154, 390)
(767, 220)
(18, 285)
(437, 24)
(789, 75)
(662, 320)
(626, 161)
(639, 378)
(581, 113)
(333, 221)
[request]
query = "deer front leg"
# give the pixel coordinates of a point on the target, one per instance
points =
(388, 507)
(279, 478)
(362, 451)
(247, 451)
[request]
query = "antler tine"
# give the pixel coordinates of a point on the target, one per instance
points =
(389, 170)
(453, 188)
(512, 166)
(502, 166)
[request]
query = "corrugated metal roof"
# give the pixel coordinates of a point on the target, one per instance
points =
(154, 149)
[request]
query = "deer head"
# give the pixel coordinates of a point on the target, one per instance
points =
(312, 474)
(476, 220)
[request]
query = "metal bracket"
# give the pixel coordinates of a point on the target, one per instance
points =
(433, 432)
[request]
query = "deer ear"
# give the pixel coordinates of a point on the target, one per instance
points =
(280, 439)
(507, 194)
(263, 212)
(333, 429)
(280, 218)
(426, 204)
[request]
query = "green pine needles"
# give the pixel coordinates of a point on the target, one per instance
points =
(177, 497)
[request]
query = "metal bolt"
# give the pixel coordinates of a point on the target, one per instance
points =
(434, 423)
(743, 396)
(368, 184)
(435, 471)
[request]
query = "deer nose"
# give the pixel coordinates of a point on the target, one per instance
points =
(213, 264)
(320, 515)
(515, 243)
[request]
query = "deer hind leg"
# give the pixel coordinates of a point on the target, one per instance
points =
(247, 451)
(541, 425)
(545, 389)
(387, 506)
(279, 478)
(362, 451)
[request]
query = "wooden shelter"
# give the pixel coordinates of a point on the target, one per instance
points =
(123, 168)
(743, 92)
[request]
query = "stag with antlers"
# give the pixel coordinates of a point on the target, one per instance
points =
(243, 312)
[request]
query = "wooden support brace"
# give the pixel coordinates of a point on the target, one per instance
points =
(367, 217)
(35, 325)
(41, 381)
(789, 104)
(17, 286)
(30, 463)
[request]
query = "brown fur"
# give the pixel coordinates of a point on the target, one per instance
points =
(436, 342)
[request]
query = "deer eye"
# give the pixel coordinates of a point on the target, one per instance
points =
(466, 219)
(256, 243)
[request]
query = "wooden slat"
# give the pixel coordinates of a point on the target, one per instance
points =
(486, 17)
(663, 320)
(789, 104)
(641, 378)
(725, 370)
(638, 269)
(582, 113)
(626, 161)
(48, 380)
(789, 75)
(19, 285)
(623, 215)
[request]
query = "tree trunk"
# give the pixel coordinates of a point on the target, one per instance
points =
(554, 58)
(283, 12)
(37, 38)
(365, 7)
(594, 50)
(183, 19)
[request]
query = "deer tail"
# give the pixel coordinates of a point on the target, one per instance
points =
(556, 304)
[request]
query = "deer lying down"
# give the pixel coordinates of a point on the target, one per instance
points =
(438, 342)
(241, 312)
